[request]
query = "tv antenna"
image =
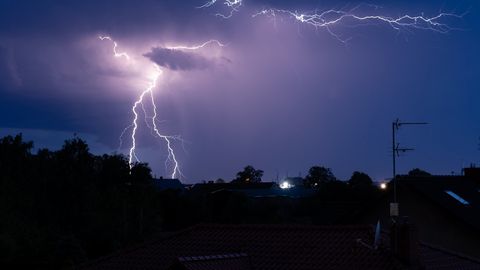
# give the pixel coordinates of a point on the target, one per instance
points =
(396, 150)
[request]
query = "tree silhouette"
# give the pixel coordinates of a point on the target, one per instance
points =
(14, 155)
(219, 181)
(248, 175)
(113, 170)
(141, 173)
(360, 180)
(318, 175)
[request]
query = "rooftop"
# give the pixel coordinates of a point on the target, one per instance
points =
(272, 247)
(457, 195)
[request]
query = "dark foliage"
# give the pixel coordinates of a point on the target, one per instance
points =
(318, 175)
(61, 208)
(360, 181)
(249, 175)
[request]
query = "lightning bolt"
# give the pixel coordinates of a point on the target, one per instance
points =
(331, 17)
(152, 124)
(208, 4)
(232, 5)
(147, 95)
(115, 45)
(196, 47)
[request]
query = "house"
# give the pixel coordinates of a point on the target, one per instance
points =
(255, 190)
(246, 247)
(163, 184)
(446, 209)
(214, 187)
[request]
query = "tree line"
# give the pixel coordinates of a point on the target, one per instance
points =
(68, 205)
(317, 177)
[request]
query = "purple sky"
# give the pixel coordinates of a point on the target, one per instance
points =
(280, 96)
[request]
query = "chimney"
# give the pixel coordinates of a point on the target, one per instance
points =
(404, 243)
(472, 173)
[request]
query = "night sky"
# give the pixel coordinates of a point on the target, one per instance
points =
(280, 95)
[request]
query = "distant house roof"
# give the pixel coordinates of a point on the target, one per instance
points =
(271, 247)
(458, 195)
(212, 187)
(275, 191)
(254, 190)
(298, 181)
(166, 184)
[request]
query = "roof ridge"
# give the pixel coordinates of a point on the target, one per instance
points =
(451, 252)
(281, 226)
(213, 257)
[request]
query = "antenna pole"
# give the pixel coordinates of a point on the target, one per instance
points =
(396, 150)
(394, 127)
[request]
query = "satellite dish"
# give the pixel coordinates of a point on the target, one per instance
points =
(376, 242)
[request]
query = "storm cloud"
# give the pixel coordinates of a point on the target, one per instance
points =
(281, 96)
(178, 60)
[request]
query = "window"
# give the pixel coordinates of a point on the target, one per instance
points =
(457, 197)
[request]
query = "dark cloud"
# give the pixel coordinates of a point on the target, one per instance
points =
(178, 60)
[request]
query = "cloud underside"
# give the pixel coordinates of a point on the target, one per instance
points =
(178, 60)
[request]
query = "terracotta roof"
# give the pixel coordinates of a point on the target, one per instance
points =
(211, 187)
(168, 184)
(268, 247)
(271, 247)
(235, 261)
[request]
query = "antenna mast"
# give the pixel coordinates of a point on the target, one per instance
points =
(396, 150)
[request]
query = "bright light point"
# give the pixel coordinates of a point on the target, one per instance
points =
(383, 186)
(154, 74)
(285, 185)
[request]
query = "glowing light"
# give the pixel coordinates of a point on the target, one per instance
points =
(383, 186)
(286, 185)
